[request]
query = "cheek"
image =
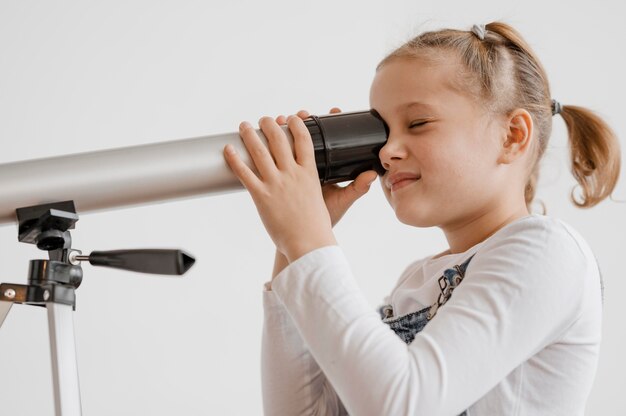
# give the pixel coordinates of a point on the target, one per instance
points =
(436, 163)
(469, 173)
(458, 154)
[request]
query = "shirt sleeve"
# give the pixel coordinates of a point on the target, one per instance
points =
(520, 293)
(292, 381)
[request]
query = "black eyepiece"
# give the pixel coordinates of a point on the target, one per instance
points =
(347, 144)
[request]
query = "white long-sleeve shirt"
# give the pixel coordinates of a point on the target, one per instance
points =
(519, 336)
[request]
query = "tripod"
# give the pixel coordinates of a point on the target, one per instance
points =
(52, 283)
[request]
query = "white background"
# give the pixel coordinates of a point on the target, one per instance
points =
(78, 76)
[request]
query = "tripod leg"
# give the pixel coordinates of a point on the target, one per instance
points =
(5, 307)
(64, 366)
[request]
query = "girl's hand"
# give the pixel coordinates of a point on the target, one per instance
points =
(338, 199)
(287, 192)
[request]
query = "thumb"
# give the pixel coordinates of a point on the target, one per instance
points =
(361, 184)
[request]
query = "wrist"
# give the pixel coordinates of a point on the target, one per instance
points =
(280, 262)
(300, 248)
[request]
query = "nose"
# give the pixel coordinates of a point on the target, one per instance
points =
(393, 151)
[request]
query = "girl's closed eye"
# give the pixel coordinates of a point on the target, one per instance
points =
(418, 123)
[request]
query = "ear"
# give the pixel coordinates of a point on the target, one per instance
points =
(519, 135)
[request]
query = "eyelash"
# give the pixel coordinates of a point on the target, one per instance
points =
(418, 124)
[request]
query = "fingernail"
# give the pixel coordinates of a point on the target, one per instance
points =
(245, 125)
(229, 149)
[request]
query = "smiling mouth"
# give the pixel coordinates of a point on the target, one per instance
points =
(403, 183)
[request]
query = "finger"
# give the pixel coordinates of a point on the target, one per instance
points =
(259, 153)
(335, 110)
(277, 142)
(247, 178)
(357, 188)
(281, 119)
(349, 194)
(303, 114)
(363, 182)
(302, 142)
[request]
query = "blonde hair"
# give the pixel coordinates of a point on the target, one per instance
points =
(503, 73)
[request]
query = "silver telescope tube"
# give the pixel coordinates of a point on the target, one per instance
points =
(121, 177)
(345, 145)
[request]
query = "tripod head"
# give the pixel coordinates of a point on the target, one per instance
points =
(54, 280)
(47, 226)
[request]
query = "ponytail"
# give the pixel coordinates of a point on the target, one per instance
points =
(595, 154)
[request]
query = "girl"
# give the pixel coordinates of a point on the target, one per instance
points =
(469, 116)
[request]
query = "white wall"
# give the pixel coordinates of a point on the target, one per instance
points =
(78, 76)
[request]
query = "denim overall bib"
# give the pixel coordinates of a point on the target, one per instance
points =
(407, 326)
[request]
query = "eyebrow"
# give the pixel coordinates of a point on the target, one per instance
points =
(419, 104)
(411, 104)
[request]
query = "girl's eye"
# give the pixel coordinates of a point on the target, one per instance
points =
(418, 124)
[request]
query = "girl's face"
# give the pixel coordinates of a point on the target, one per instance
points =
(442, 151)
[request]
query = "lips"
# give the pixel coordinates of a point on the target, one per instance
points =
(401, 179)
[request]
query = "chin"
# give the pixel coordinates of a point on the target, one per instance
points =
(416, 217)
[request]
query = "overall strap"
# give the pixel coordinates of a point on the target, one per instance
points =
(450, 279)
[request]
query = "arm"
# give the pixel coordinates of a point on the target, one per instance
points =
(511, 288)
(286, 186)
(292, 381)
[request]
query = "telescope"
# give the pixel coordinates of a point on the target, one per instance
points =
(345, 145)
(44, 197)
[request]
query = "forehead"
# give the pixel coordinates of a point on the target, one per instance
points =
(402, 82)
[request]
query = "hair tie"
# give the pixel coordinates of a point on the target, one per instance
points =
(557, 108)
(479, 31)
